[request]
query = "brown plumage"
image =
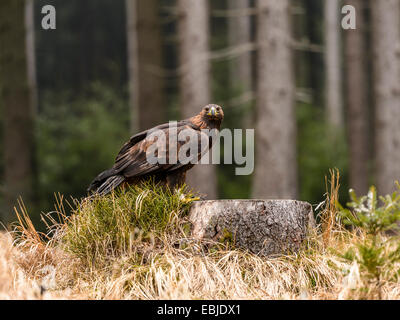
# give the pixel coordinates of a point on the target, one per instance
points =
(131, 165)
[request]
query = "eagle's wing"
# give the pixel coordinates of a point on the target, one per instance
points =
(142, 135)
(192, 146)
(132, 160)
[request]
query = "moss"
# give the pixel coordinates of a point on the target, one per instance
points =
(103, 227)
(227, 237)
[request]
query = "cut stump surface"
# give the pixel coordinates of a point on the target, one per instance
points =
(264, 227)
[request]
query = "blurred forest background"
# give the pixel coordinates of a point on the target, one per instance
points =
(317, 95)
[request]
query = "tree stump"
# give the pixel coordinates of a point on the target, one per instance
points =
(264, 227)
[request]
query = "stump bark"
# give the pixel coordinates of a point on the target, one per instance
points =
(264, 227)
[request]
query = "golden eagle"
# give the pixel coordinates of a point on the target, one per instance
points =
(132, 165)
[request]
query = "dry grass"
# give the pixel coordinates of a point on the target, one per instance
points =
(24, 274)
(169, 265)
(328, 216)
(183, 274)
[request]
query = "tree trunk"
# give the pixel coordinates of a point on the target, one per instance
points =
(333, 89)
(357, 101)
(241, 76)
(386, 63)
(30, 52)
(147, 100)
(240, 34)
(195, 80)
(276, 163)
(263, 227)
(17, 108)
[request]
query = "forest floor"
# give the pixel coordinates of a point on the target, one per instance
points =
(110, 249)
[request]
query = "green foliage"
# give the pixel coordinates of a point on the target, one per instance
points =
(231, 186)
(372, 258)
(374, 251)
(367, 215)
(88, 45)
(318, 152)
(227, 238)
(104, 227)
(77, 139)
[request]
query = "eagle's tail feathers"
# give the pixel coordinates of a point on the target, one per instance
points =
(110, 184)
(100, 179)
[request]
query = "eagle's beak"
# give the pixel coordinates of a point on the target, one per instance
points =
(213, 111)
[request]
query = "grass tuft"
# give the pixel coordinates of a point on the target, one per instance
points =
(102, 228)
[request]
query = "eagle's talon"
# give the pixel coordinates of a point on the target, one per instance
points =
(189, 199)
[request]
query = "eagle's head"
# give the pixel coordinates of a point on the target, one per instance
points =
(210, 117)
(212, 113)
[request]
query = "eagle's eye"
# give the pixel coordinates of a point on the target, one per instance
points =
(207, 109)
(218, 108)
